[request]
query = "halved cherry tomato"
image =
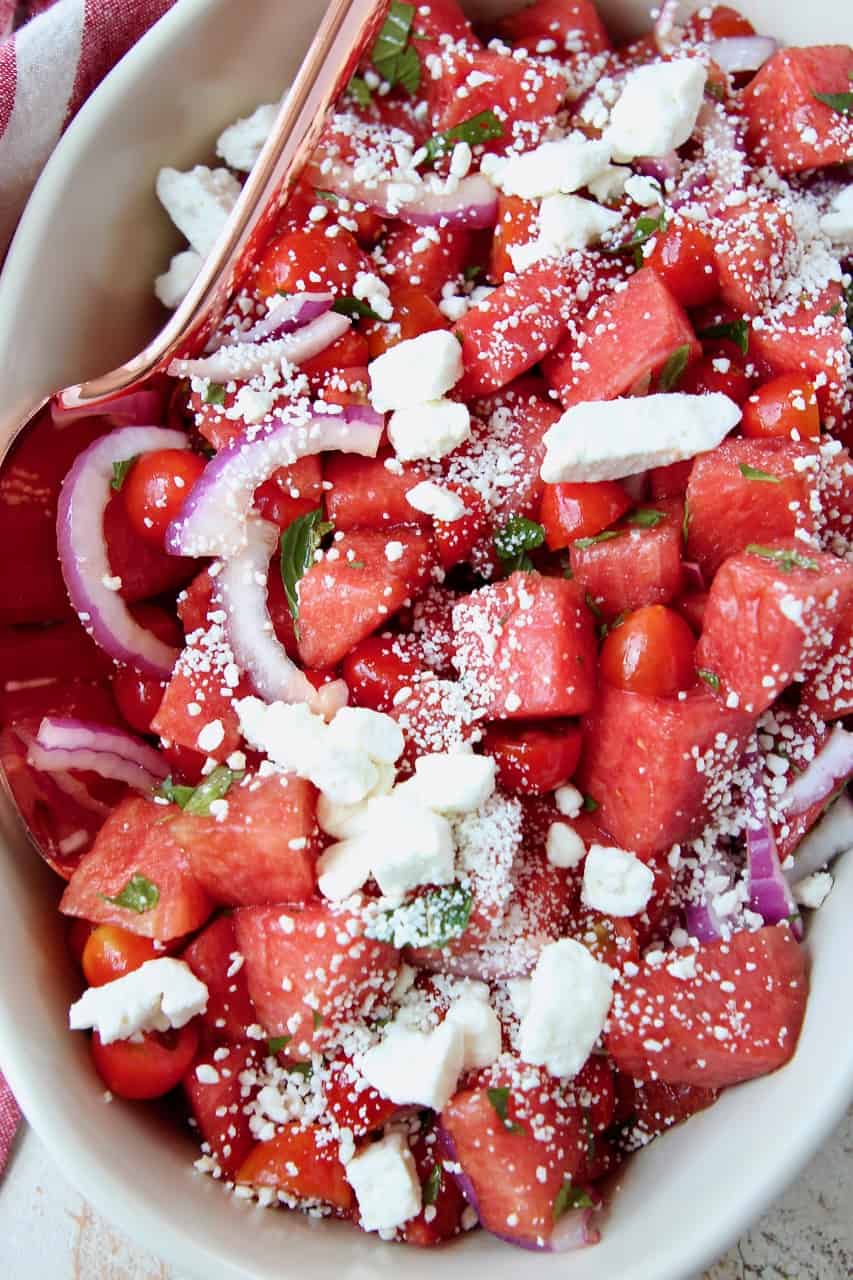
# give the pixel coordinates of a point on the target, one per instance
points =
(297, 1160)
(147, 1068)
(308, 261)
(292, 491)
(110, 952)
(782, 406)
(533, 759)
(570, 511)
(516, 225)
(650, 652)
(456, 539)
(156, 488)
(346, 386)
(721, 373)
(378, 668)
(414, 313)
(684, 259)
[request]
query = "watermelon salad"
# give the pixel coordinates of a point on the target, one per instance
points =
(435, 692)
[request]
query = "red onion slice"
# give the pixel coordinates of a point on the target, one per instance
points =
(63, 744)
(83, 553)
(474, 202)
(243, 359)
(213, 521)
(134, 409)
(769, 892)
(287, 315)
(666, 168)
(830, 837)
(692, 576)
(702, 921)
(575, 1230)
(831, 767)
(742, 53)
(364, 414)
(58, 760)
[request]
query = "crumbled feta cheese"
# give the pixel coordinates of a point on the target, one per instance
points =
(173, 286)
(416, 1067)
(615, 881)
(430, 430)
(519, 994)
(568, 800)
(563, 845)
(837, 222)
(160, 995)
(240, 144)
(643, 191)
(565, 223)
(812, 891)
(481, 1029)
(385, 1181)
(375, 292)
(344, 867)
(562, 166)
(453, 783)
(570, 997)
(373, 732)
(211, 736)
(198, 202)
(411, 845)
(610, 439)
(416, 371)
(657, 109)
(433, 500)
(609, 184)
(345, 820)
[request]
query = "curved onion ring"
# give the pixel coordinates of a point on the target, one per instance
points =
(742, 53)
(83, 553)
(474, 203)
(62, 744)
(769, 892)
(831, 766)
(243, 359)
(213, 521)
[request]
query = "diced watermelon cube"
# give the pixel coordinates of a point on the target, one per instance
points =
(670, 481)
(199, 681)
(438, 19)
(364, 494)
(411, 258)
(829, 688)
(342, 600)
(697, 1030)
(311, 970)
(641, 566)
(215, 960)
(572, 26)
(522, 92)
(435, 716)
(642, 760)
(747, 491)
(770, 617)
(137, 840)
(656, 1107)
(352, 1102)
(526, 647)
(455, 540)
(291, 492)
(218, 1106)
(787, 126)
(302, 1160)
(751, 251)
(263, 850)
(809, 337)
(630, 334)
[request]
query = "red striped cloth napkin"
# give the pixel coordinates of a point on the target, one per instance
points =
(53, 53)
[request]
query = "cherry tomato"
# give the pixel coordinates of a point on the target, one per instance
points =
(456, 539)
(717, 373)
(516, 224)
(782, 406)
(349, 351)
(291, 492)
(650, 652)
(533, 759)
(370, 227)
(570, 511)
(721, 22)
(378, 667)
(137, 696)
(111, 951)
(147, 1068)
(414, 313)
(684, 259)
(156, 488)
(309, 261)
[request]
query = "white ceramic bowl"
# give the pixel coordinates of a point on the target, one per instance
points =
(75, 300)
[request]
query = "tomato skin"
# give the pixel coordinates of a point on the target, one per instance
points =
(414, 313)
(710, 374)
(148, 1068)
(110, 952)
(533, 759)
(378, 667)
(138, 697)
(293, 263)
(651, 652)
(684, 259)
(156, 488)
(349, 351)
(782, 406)
(570, 511)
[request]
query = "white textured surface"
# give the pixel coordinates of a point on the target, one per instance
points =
(48, 1231)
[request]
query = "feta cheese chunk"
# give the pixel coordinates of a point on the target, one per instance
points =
(563, 846)
(386, 1185)
(565, 223)
(344, 867)
(610, 183)
(411, 845)
(240, 144)
(453, 783)
(162, 994)
(345, 820)
(173, 286)
(568, 800)
(837, 222)
(552, 167)
(657, 109)
(813, 891)
(430, 430)
(416, 371)
(570, 995)
(643, 191)
(198, 202)
(433, 500)
(416, 1067)
(373, 732)
(375, 292)
(609, 439)
(615, 881)
(481, 1029)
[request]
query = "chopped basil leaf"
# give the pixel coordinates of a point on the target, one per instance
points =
(197, 800)
(737, 332)
(120, 470)
(431, 920)
(303, 1069)
(589, 804)
(786, 560)
(354, 564)
(299, 542)
(354, 308)
(606, 536)
(317, 1019)
(482, 127)
(472, 273)
(499, 1098)
(432, 1185)
(139, 894)
(330, 197)
(592, 606)
(644, 229)
(408, 70)
(512, 542)
(753, 473)
(175, 792)
(606, 627)
(834, 311)
(840, 102)
(275, 1044)
(215, 393)
(712, 680)
(392, 55)
(671, 373)
(646, 517)
(569, 1197)
(685, 521)
(358, 90)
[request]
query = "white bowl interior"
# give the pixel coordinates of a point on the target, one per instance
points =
(75, 300)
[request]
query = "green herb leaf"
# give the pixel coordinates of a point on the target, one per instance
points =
(330, 197)
(644, 229)
(354, 564)
(359, 91)
(499, 1098)
(512, 542)
(197, 800)
(753, 473)
(317, 1019)
(646, 517)
(607, 536)
(303, 1069)
(175, 792)
(354, 308)
(432, 1185)
(671, 373)
(472, 273)
(834, 310)
(786, 560)
(299, 542)
(589, 804)
(712, 680)
(737, 332)
(431, 920)
(569, 1197)
(139, 894)
(215, 393)
(275, 1044)
(393, 57)
(482, 127)
(408, 70)
(120, 470)
(592, 606)
(840, 102)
